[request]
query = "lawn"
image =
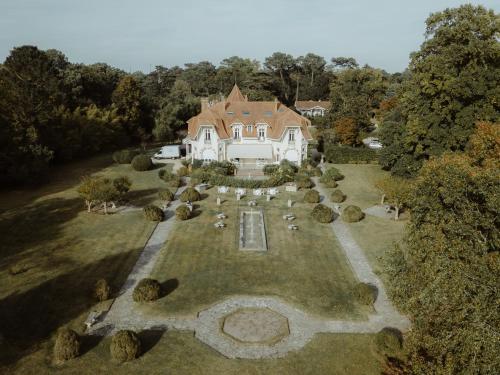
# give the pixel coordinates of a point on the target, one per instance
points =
(306, 267)
(64, 250)
(179, 353)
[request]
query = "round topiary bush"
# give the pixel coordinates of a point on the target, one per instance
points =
(352, 214)
(330, 177)
(311, 196)
(166, 195)
(153, 213)
(182, 171)
(124, 156)
(142, 163)
(125, 346)
(147, 290)
(366, 294)
(182, 212)
(102, 290)
(337, 196)
(67, 345)
(388, 341)
(322, 213)
(303, 181)
(190, 194)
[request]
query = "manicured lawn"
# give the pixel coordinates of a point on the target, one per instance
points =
(64, 250)
(180, 353)
(305, 267)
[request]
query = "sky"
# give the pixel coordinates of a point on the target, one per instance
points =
(140, 34)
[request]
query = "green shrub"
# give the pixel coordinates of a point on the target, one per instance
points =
(102, 290)
(303, 182)
(352, 214)
(346, 154)
(182, 171)
(153, 213)
(337, 196)
(270, 169)
(388, 341)
(122, 184)
(147, 290)
(67, 345)
(125, 346)
(197, 163)
(190, 194)
(310, 169)
(186, 162)
(182, 212)
(124, 156)
(366, 294)
(20, 267)
(142, 163)
(330, 177)
(166, 195)
(171, 179)
(224, 168)
(311, 196)
(322, 213)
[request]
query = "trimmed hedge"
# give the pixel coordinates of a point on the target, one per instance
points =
(303, 181)
(388, 341)
(124, 156)
(67, 345)
(182, 171)
(166, 195)
(153, 213)
(346, 154)
(171, 179)
(190, 194)
(125, 346)
(147, 290)
(183, 212)
(102, 290)
(311, 196)
(337, 196)
(366, 294)
(322, 213)
(352, 214)
(330, 177)
(142, 163)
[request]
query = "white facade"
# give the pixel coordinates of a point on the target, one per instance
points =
(248, 150)
(312, 112)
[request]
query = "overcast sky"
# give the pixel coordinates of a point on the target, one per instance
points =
(139, 34)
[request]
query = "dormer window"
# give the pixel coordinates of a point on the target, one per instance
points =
(246, 113)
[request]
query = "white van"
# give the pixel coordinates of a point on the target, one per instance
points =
(168, 152)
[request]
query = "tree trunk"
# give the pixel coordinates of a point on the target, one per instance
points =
(396, 216)
(312, 77)
(105, 208)
(297, 91)
(89, 206)
(382, 199)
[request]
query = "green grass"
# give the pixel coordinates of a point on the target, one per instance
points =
(180, 353)
(64, 250)
(304, 267)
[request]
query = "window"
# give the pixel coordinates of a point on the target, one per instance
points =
(249, 128)
(230, 113)
(236, 133)
(262, 133)
(268, 113)
(207, 135)
(291, 135)
(246, 113)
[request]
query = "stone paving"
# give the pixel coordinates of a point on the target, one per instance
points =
(250, 339)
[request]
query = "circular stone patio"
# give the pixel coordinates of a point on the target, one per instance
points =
(255, 325)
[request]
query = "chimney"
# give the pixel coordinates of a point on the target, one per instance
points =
(204, 104)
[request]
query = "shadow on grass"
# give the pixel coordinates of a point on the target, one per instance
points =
(36, 223)
(89, 342)
(167, 287)
(28, 318)
(142, 197)
(149, 338)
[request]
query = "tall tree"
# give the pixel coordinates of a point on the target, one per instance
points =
(127, 100)
(453, 83)
(282, 65)
(201, 78)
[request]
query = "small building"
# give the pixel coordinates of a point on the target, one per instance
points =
(247, 133)
(312, 108)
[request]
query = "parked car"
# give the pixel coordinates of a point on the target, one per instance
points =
(168, 152)
(375, 144)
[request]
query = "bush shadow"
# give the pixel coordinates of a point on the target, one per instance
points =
(149, 338)
(168, 287)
